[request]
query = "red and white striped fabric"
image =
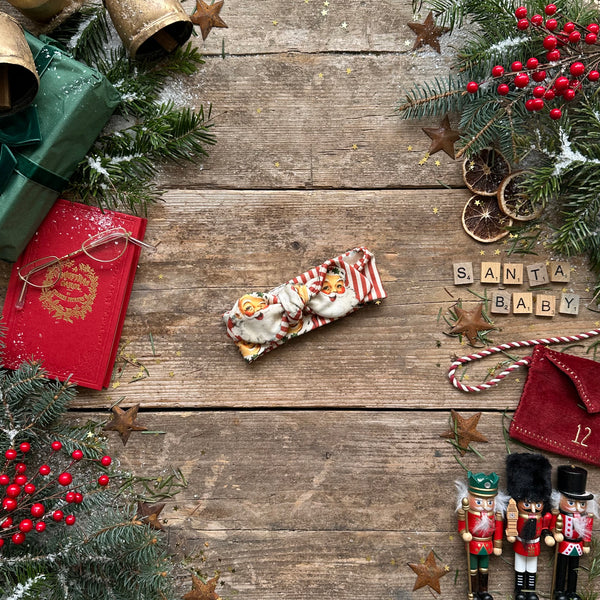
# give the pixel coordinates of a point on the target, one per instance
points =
(259, 322)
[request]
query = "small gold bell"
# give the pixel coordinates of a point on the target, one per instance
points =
(19, 81)
(40, 10)
(149, 28)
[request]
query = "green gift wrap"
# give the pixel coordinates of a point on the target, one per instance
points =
(41, 146)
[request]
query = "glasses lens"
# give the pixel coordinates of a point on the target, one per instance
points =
(106, 246)
(42, 273)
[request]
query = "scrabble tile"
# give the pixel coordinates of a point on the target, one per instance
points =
(545, 305)
(512, 273)
(537, 274)
(500, 302)
(522, 303)
(463, 273)
(560, 271)
(490, 272)
(569, 304)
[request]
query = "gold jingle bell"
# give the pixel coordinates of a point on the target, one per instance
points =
(150, 28)
(19, 80)
(40, 10)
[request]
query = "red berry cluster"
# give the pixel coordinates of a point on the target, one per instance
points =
(562, 76)
(26, 497)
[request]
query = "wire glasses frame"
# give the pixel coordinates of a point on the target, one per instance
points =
(106, 246)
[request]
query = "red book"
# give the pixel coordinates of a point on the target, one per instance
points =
(72, 323)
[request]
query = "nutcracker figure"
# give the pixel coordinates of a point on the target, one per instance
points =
(528, 517)
(573, 529)
(480, 525)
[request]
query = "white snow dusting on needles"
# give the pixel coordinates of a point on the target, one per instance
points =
(22, 589)
(568, 156)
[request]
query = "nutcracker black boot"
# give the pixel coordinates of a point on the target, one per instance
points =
(531, 580)
(475, 585)
(483, 586)
(519, 585)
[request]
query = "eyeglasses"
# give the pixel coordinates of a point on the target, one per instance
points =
(105, 247)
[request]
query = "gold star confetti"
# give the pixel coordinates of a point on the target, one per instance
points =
(344, 25)
(424, 159)
(348, 71)
(259, 110)
(482, 252)
(324, 12)
(275, 22)
(320, 75)
(277, 164)
(496, 252)
(354, 147)
(409, 148)
(437, 163)
(161, 276)
(325, 3)
(436, 210)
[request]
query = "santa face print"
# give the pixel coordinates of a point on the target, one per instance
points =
(248, 305)
(336, 298)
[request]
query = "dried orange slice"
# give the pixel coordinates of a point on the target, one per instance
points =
(515, 201)
(483, 220)
(484, 172)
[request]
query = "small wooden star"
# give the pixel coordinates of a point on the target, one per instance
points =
(206, 16)
(470, 322)
(464, 431)
(148, 513)
(123, 421)
(201, 590)
(429, 573)
(442, 137)
(428, 33)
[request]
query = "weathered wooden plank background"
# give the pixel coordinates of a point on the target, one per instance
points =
(319, 469)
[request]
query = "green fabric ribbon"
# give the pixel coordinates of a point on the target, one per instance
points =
(23, 129)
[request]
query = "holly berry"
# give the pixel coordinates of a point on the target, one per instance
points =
(537, 19)
(78, 498)
(593, 27)
(516, 66)
(77, 454)
(44, 470)
(37, 509)
(103, 480)
(539, 91)
(521, 12)
(591, 38)
(20, 468)
(522, 24)
(70, 497)
(532, 63)
(549, 95)
(562, 83)
(18, 538)
(29, 488)
(521, 80)
(551, 24)
(4, 479)
(569, 27)
(593, 75)
(70, 520)
(9, 504)
(574, 37)
(472, 87)
(6, 523)
(538, 104)
(550, 9)
(529, 104)
(56, 446)
(569, 94)
(21, 479)
(503, 89)
(26, 525)
(65, 479)
(1, 542)
(550, 42)
(58, 515)
(40, 526)
(577, 69)
(575, 84)
(106, 460)
(10, 454)
(13, 490)
(25, 447)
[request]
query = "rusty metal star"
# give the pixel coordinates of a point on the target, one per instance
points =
(470, 322)
(123, 421)
(148, 514)
(429, 573)
(428, 33)
(464, 431)
(206, 16)
(442, 137)
(201, 590)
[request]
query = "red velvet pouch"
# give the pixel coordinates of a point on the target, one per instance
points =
(559, 410)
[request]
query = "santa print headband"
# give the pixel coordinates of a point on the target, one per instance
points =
(515, 365)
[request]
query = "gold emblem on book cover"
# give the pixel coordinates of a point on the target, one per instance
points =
(73, 295)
